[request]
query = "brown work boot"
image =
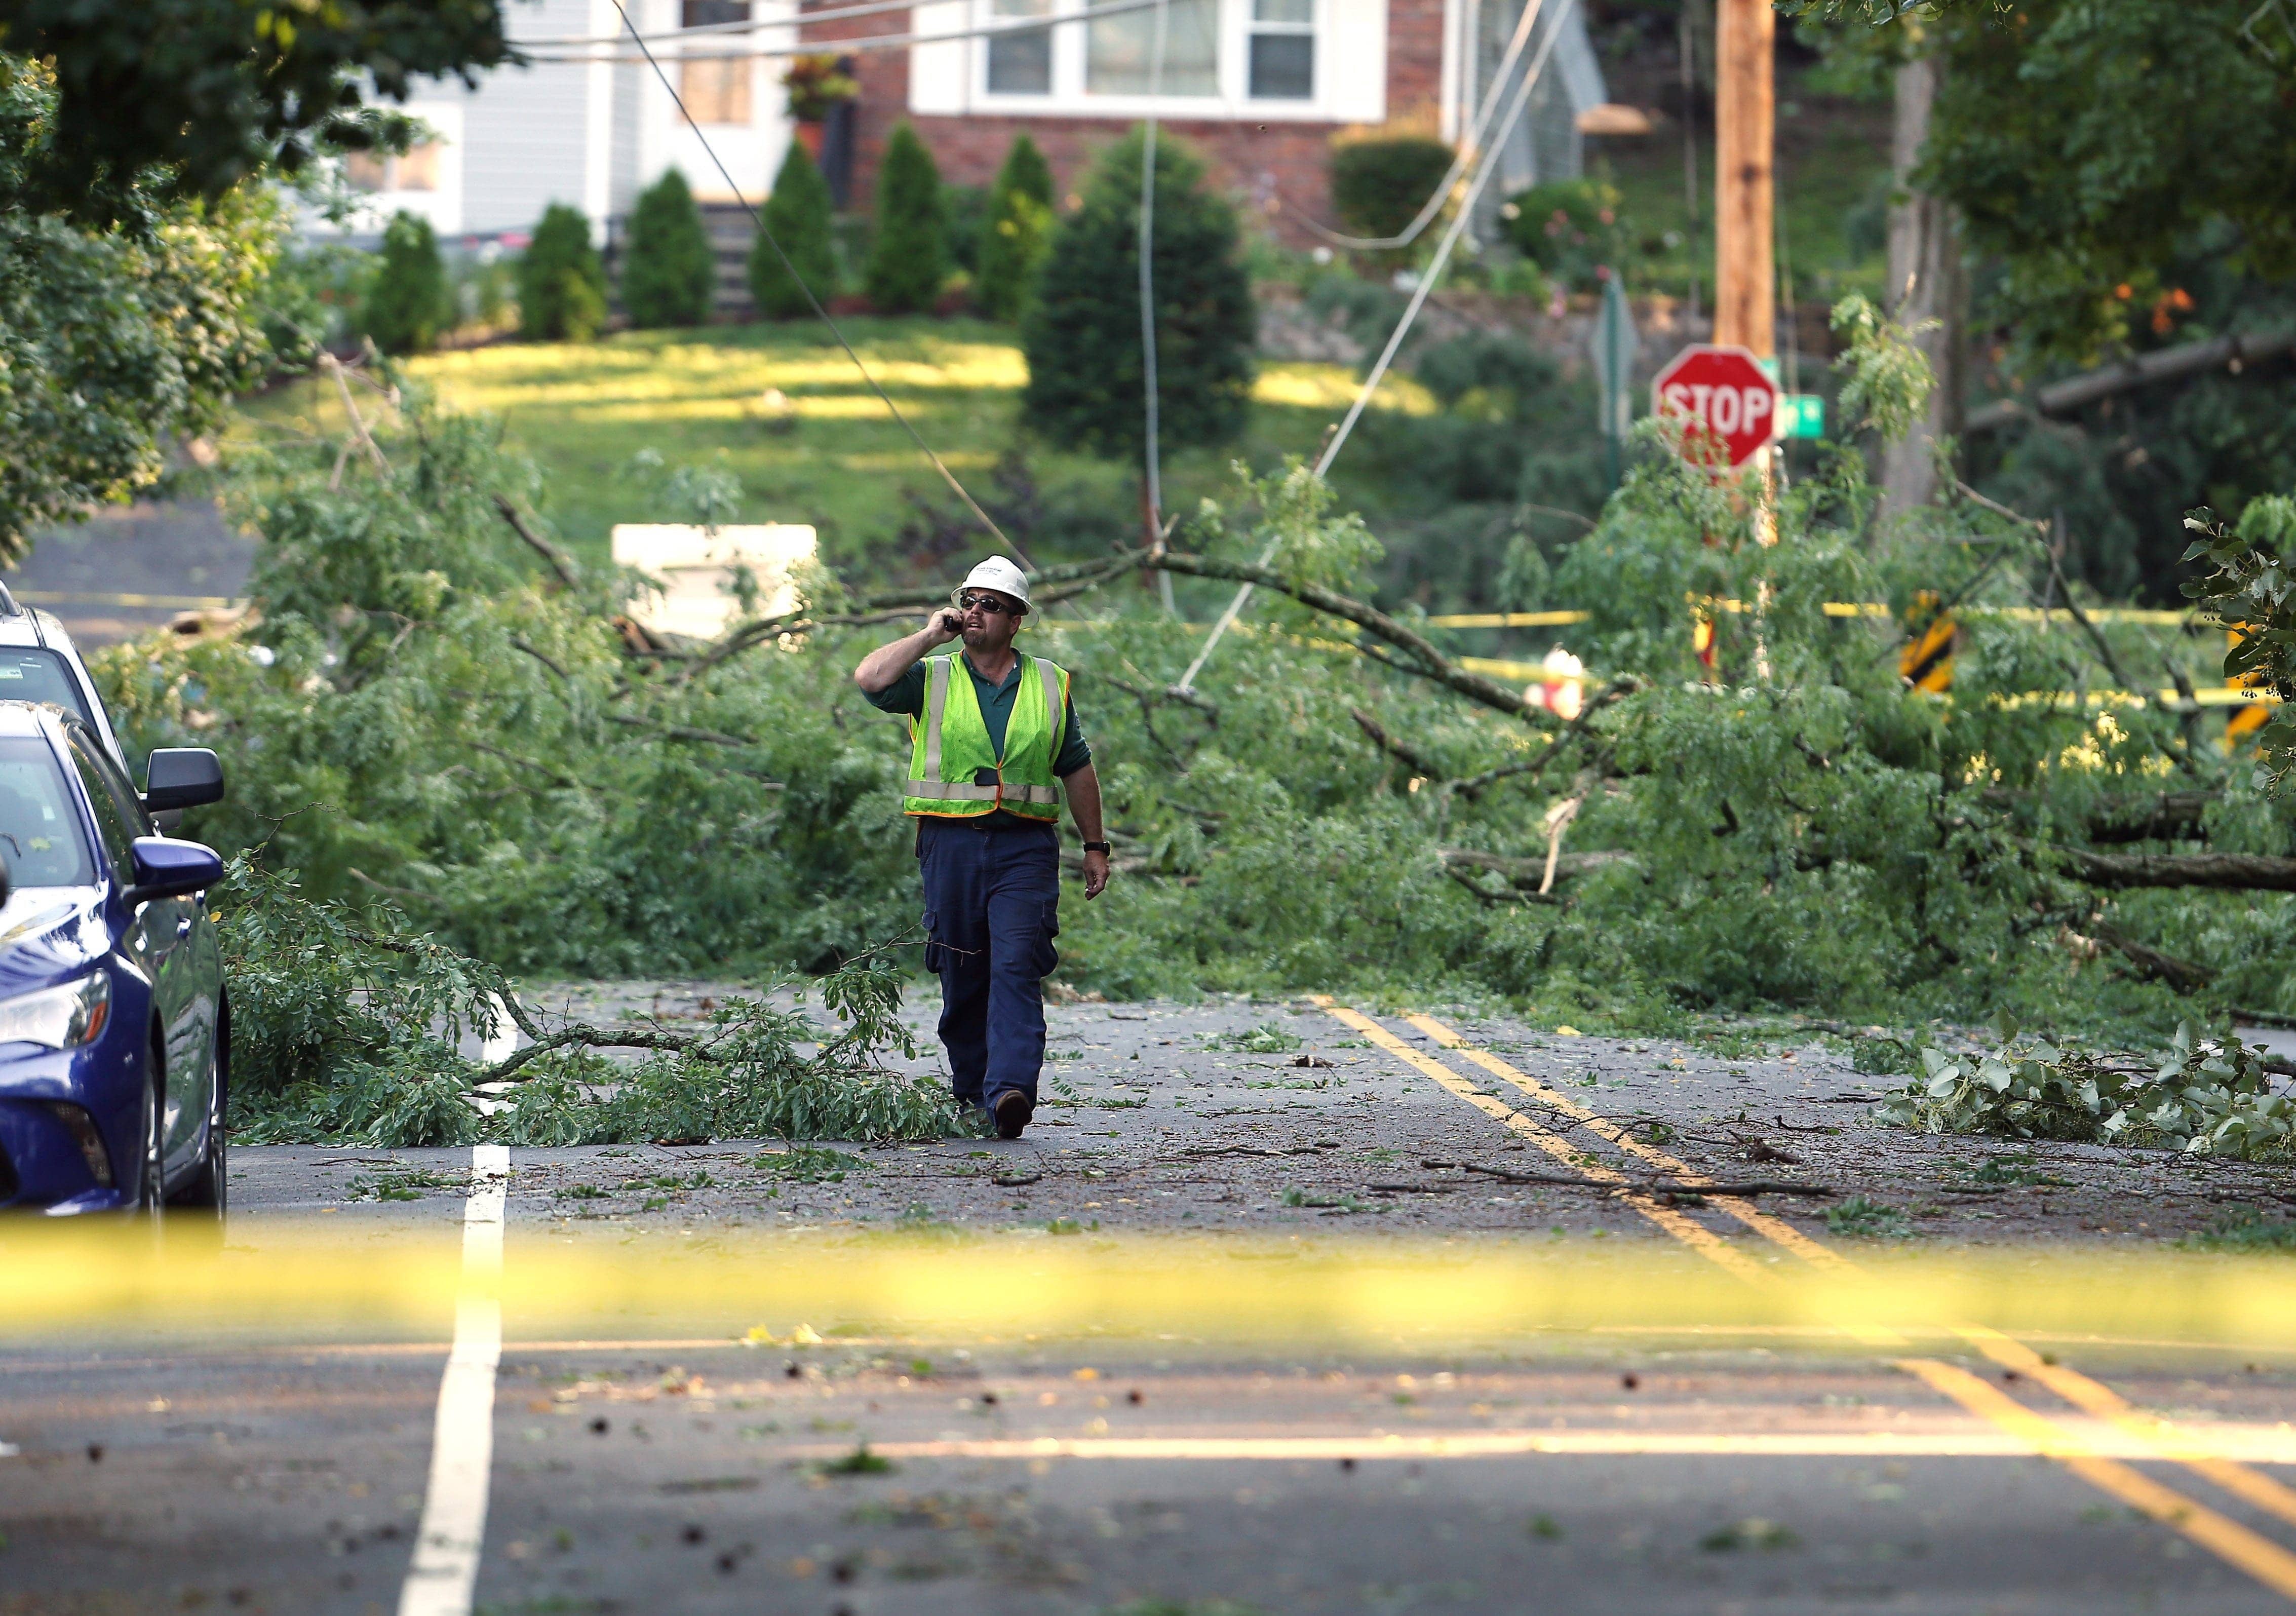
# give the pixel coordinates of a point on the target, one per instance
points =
(1013, 1109)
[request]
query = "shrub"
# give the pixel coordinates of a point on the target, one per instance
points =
(801, 217)
(562, 286)
(409, 305)
(1082, 334)
(1569, 227)
(910, 258)
(1014, 234)
(670, 270)
(1379, 185)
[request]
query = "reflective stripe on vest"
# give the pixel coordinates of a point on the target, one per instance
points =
(1037, 798)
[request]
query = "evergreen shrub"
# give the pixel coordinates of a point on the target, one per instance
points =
(409, 306)
(1015, 231)
(910, 258)
(669, 271)
(801, 218)
(562, 286)
(1082, 332)
(1380, 185)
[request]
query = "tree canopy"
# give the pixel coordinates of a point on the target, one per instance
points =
(164, 101)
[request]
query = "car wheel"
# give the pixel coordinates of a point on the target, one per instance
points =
(210, 1186)
(150, 1159)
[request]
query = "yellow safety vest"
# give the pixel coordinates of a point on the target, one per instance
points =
(953, 770)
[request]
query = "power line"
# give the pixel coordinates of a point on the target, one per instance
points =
(1469, 148)
(711, 30)
(1152, 469)
(865, 42)
(759, 220)
(1483, 172)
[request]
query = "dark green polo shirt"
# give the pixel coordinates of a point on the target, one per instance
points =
(907, 695)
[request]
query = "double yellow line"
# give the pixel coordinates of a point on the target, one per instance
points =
(2260, 1557)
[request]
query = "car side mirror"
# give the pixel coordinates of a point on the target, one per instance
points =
(182, 777)
(168, 868)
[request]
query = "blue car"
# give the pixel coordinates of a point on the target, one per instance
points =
(115, 1036)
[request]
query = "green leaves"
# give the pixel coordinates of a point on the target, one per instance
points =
(2204, 1097)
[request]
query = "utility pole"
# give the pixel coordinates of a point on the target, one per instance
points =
(1745, 52)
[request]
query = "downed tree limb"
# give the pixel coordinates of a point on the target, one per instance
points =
(2162, 365)
(1417, 761)
(1426, 661)
(2182, 975)
(1697, 1186)
(557, 558)
(1529, 875)
(2165, 817)
(2220, 872)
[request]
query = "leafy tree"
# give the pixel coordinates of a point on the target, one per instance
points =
(2087, 146)
(562, 286)
(114, 342)
(670, 270)
(909, 259)
(410, 304)
(1016, 232)
(1082, 335)
(162, 100)
(801, 217)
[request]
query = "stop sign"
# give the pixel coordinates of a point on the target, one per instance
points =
(1729, 408)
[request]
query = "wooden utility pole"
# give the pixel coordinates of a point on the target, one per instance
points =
(1745, 52)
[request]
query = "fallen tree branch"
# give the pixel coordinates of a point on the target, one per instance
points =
(1432, 664)
(2220, 872)
(1675, 1186)
(1417, 762)
(1529, 875)
(2162, 365)
(2182, 975)
(556, 558)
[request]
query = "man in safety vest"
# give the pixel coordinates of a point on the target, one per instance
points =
(993, 739)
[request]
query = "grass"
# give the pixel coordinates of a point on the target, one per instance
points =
(2245, 1228)
(583, 410)
(1862, 1218)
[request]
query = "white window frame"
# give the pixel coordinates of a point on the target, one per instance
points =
(952, 78)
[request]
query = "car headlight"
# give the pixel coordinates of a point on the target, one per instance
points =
(63, 1017)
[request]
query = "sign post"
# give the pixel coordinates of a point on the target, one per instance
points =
(1728, 408)
(1614, 347)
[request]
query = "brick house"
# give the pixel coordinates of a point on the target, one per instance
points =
(1259, 86)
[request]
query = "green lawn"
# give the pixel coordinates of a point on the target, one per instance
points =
(583, 410)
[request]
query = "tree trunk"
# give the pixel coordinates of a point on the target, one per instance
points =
(1926, 282)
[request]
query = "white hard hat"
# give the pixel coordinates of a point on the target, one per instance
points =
(998, 574)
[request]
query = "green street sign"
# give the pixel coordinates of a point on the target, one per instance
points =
(1801, 415)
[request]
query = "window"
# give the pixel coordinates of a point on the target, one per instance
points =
(716, 89)
(1121, 51)
(40, 833)
(112, 823)
(373, 171)
(1283, 50)
(1020, 63)
(40, 676)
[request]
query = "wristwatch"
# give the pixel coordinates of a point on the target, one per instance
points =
(1098, 847)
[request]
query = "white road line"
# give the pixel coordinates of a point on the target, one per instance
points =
(446, 1567)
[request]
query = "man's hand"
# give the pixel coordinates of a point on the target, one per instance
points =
(883, 667)
(1095, 874)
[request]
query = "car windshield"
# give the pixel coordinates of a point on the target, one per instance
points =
(40, 831)
(28, 675)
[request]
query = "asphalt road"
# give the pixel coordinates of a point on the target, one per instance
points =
(665, 1463)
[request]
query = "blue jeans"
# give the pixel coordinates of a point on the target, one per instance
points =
(992, 909)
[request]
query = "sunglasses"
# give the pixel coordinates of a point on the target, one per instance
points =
(986, 603)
